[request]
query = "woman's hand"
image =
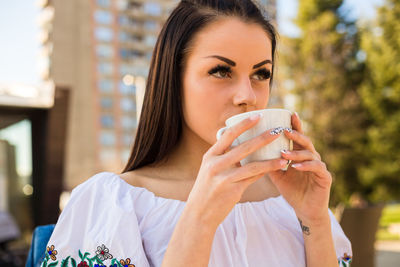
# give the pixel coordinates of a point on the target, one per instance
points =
(221, 180)
(306, 184)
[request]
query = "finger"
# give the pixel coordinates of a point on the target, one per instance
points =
(296, 122)
(230, 134)
(315, 166)
(237, 164)
(256, 168)
(299, 155)
(300, 139)
(243, 150)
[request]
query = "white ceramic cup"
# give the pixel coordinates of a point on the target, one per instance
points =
(271, 118)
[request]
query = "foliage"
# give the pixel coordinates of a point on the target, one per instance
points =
(326, 74)
(381, 95)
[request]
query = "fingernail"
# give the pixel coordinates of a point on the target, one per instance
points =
(289, 130)
(276, 131)
(256, 116)
(296, 165)
(284, 151)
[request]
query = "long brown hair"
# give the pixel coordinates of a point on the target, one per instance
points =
(160, 124)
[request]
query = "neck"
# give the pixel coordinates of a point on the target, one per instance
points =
(184, 162)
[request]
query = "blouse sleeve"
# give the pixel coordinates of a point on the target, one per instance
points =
(98, 227)
(341, 242)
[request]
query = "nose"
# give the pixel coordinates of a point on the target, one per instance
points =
(244, 93)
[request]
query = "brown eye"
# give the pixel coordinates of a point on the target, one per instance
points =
(262, 75)
(221, 72)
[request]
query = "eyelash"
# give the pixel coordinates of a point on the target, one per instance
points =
(264, 73)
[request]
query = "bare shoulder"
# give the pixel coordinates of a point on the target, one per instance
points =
(136, 177)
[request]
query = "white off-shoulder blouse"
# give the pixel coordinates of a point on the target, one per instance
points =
(108, 222)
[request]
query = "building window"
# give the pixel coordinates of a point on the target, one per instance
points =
(103, 17)
(104, 51)
(107, 138)
(123, 36)
(104, 3)
(106, 103)
(150, 25)
(129, 54)
(152, 8)
(125, 69)
(104, 34)
(123, 20)
(127, 89)
(107, 121)
(127, 140)
(128, 105)
(135, 24)
(128, 122)
(105, 86)
(137, 38)
(135, 4)
(150, 40)
(124, 53)
(149, 55)
(137, 54)
(105, 68)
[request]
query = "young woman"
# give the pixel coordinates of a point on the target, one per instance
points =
(184, 199)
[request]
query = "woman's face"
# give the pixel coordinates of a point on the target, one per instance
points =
(227, 72)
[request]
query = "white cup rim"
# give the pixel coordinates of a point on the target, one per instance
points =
(255, 111)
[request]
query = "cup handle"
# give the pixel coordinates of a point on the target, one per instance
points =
(221, 131)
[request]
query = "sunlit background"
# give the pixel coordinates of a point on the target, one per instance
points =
(72, 80)
(23, 61)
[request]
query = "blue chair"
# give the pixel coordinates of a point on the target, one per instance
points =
(40, 238)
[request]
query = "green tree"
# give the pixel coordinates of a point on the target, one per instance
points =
(326, 75)
(381, 95)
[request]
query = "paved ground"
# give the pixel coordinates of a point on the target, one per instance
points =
(387, 254)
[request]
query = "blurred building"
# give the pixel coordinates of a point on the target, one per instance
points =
(101, 50)
(278, 94)
(32, 138)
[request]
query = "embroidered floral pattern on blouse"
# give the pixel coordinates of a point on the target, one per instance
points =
(345, 260)
(102, 253)
(51, 252)
(126, 263)
(83, 264)
(98, 260)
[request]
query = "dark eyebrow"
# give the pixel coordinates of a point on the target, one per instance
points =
(262, 63)
(226, 60)
(232, 63)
